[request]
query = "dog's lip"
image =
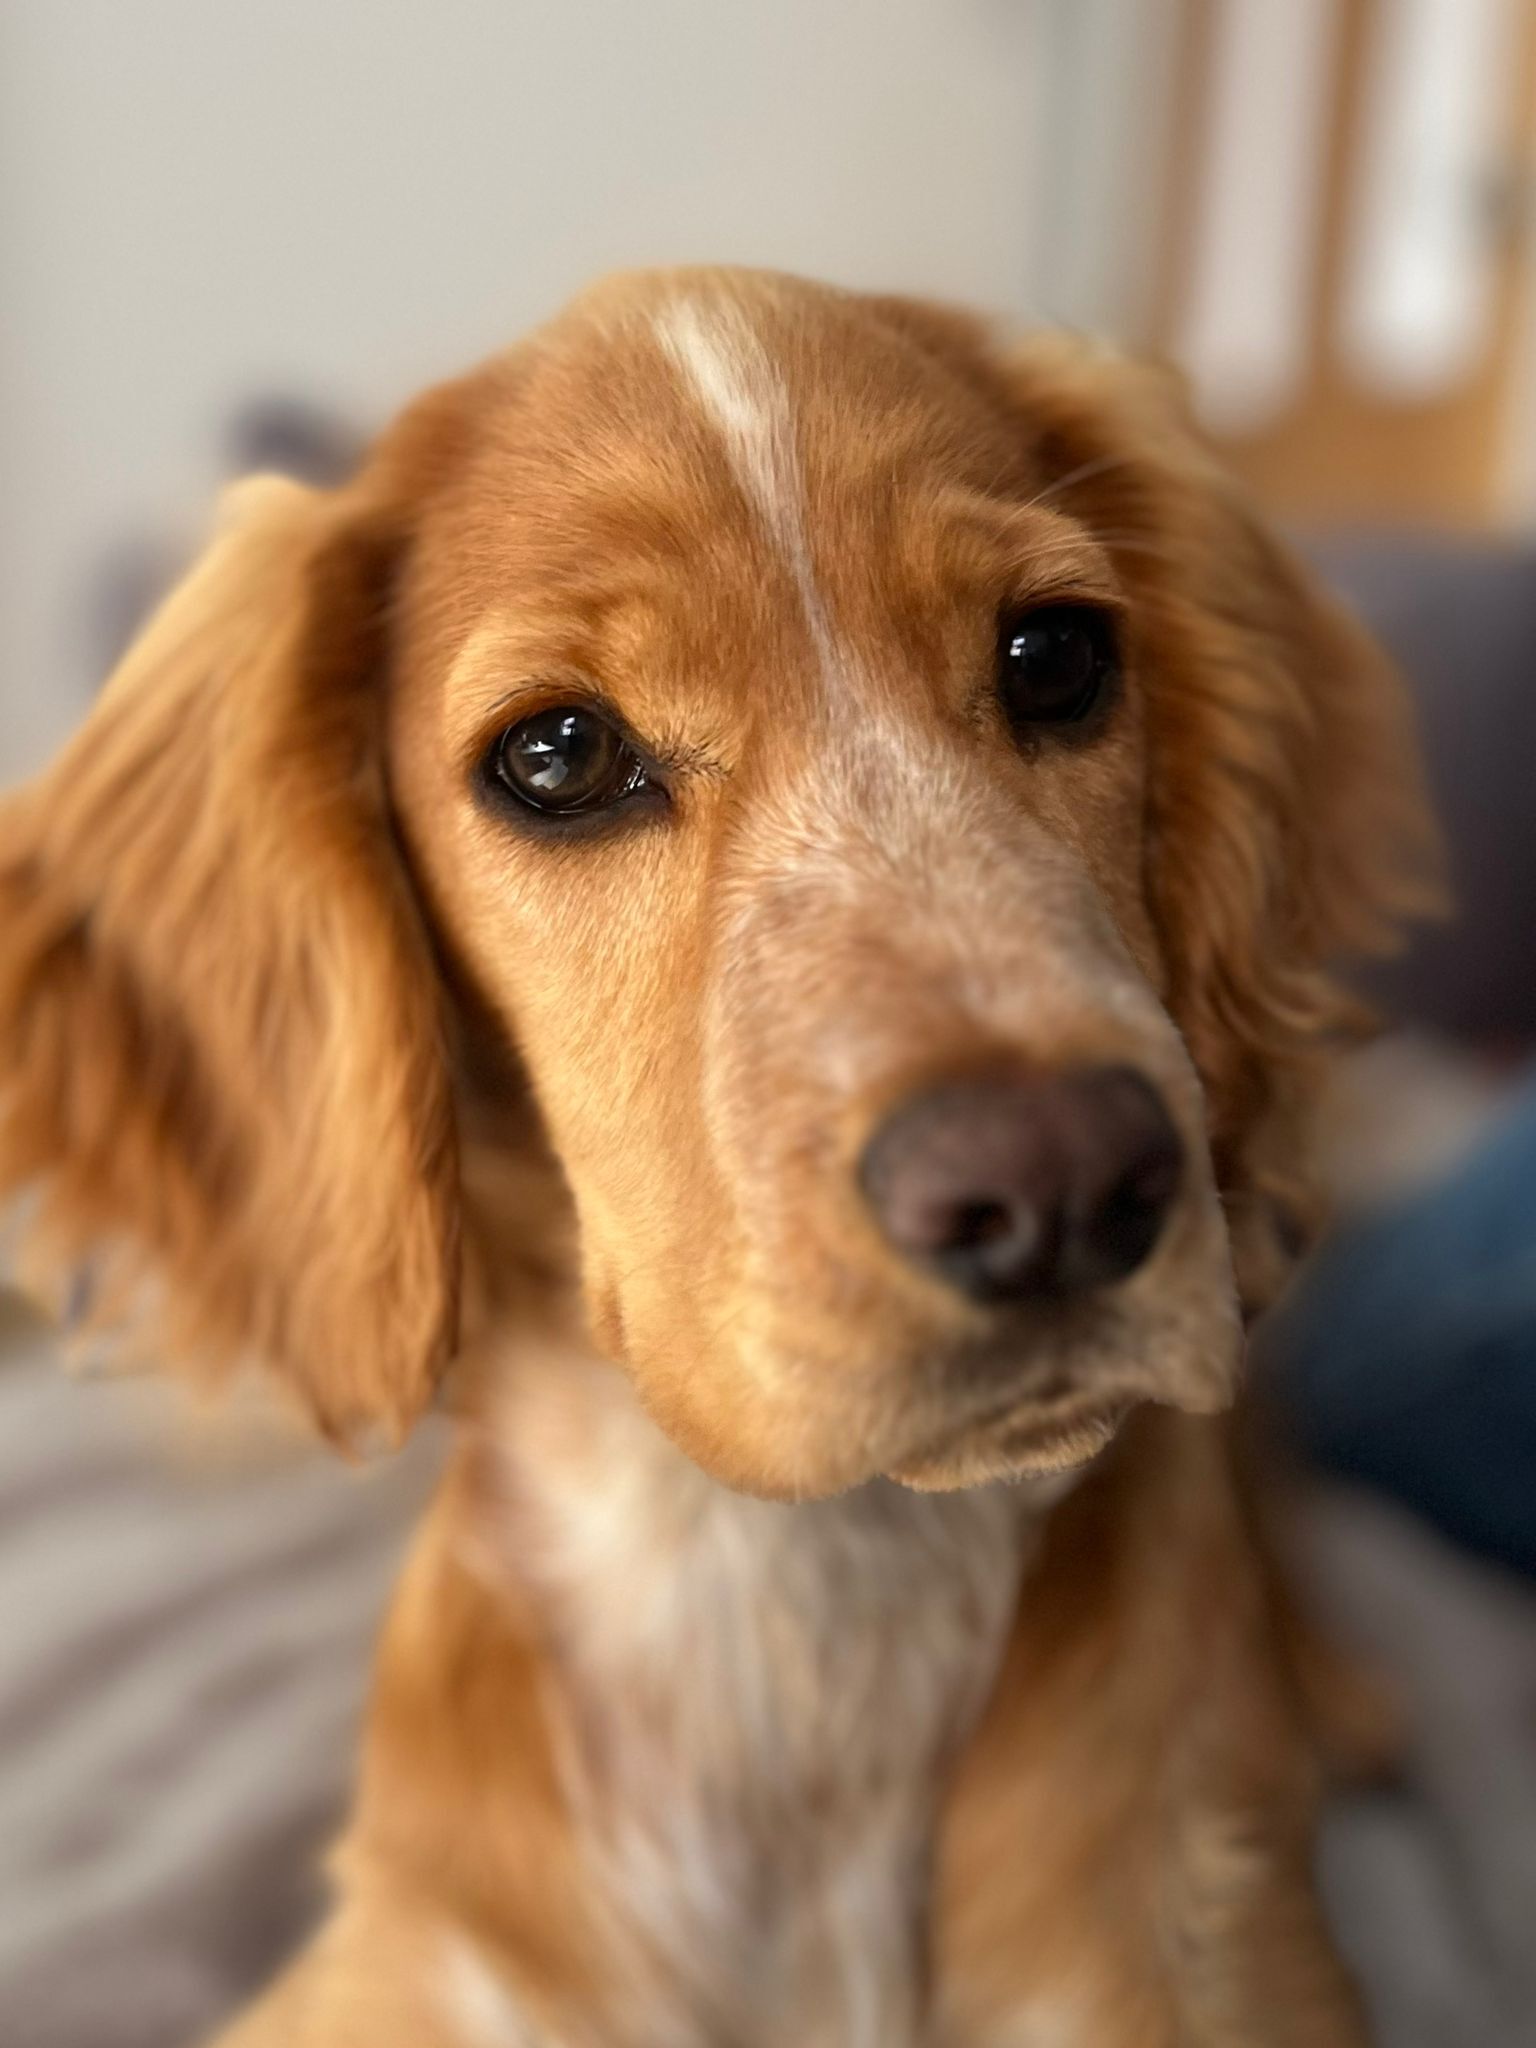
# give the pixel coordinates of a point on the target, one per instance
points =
(1034, 1452)
(1023, 1425)
(1043, 1435)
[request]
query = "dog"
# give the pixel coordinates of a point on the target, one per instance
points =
(753, 907)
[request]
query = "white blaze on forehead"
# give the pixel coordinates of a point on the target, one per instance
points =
(732, 376)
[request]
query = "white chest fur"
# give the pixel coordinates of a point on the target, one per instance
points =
(758, 1702)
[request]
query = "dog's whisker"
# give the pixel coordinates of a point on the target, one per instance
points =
(1086, 472)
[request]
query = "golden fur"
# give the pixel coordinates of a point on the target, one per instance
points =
(308, 1058)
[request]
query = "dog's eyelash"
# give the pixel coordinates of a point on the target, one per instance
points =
(667, 755)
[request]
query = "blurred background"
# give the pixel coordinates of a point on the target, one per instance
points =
(237, 233)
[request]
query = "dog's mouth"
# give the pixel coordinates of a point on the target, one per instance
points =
(880, 1384)
(1021, 1439)
(1054, 1403)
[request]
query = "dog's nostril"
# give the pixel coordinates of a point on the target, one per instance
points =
(1019, 1187)
(980, 1223)
(1123, 1221)
(982, 1246)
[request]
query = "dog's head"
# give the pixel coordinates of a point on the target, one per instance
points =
(891, 800)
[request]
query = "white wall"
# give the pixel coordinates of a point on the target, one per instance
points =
(200, 199)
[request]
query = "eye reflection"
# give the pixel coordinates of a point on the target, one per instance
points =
(568, 758)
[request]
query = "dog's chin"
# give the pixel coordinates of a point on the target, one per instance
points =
(1028, 1444)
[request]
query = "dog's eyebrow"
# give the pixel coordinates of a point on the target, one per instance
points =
(513, 663)
(1042, 552)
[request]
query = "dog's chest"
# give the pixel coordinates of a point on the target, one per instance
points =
(759, 1702)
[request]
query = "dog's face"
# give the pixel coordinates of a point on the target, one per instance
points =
(896, 805)
(774, 747)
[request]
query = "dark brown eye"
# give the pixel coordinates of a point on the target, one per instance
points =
(1054, 663)
(566, 759)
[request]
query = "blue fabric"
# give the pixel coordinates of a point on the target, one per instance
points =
(1408, 1356)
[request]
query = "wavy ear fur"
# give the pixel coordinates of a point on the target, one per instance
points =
(1288, 828)
(224, 1105)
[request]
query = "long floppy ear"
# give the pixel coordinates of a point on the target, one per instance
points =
(224, 1108)
(1288, 830)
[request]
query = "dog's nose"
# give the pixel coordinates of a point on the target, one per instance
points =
(1027, 1186)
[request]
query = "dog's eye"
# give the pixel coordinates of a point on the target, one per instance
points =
(1053, 664)
(566, 759)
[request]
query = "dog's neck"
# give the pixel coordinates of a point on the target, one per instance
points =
(755, 1707)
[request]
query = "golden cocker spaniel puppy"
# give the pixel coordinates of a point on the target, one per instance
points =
(755, 899)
